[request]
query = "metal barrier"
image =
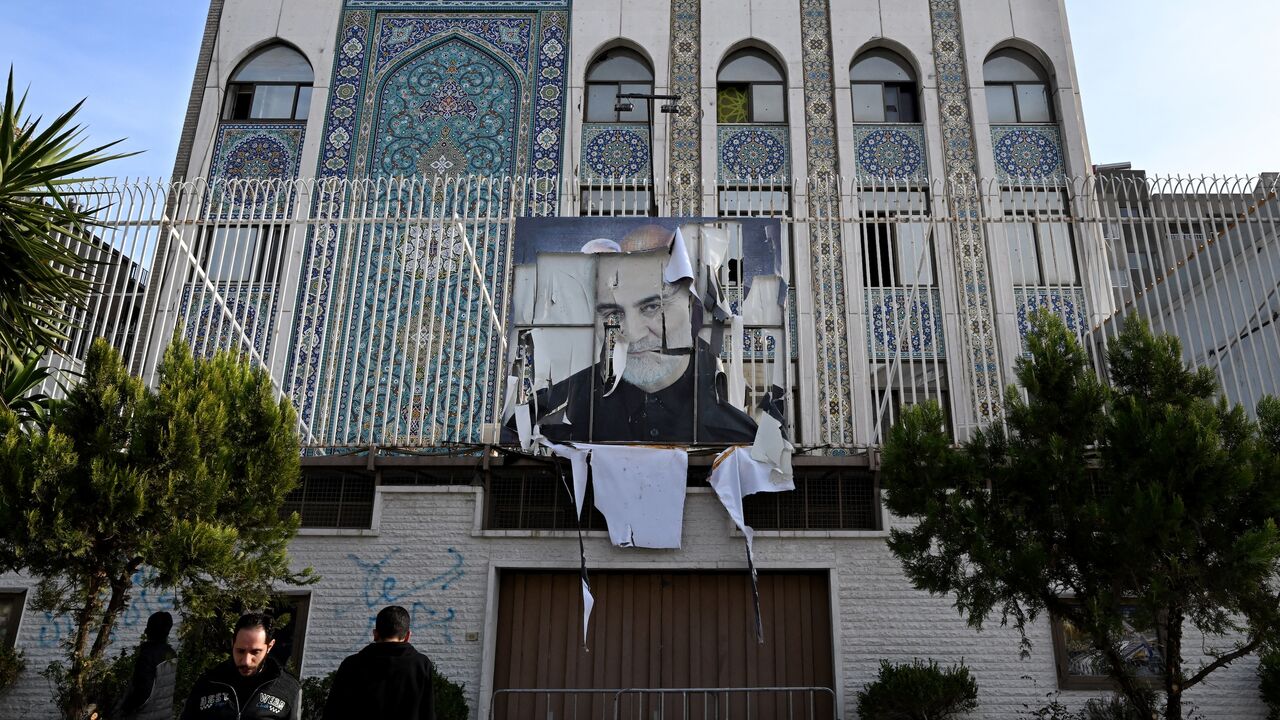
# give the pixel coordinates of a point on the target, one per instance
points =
(758, 703)
(378, 305)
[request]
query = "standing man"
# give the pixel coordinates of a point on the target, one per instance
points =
(249, 686)
(388, 679)
(150, 694)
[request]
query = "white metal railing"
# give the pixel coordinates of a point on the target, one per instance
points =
(380, 306)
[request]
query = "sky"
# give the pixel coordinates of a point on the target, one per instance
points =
(1173, 86)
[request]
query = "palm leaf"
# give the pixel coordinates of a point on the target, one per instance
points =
(46, 234)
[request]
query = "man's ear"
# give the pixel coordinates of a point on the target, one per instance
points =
(271, 645)
(375, 636)
(408, 634)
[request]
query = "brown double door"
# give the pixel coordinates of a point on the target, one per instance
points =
(663, 630)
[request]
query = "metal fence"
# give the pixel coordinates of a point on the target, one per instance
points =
(758, 703)
(380, 306)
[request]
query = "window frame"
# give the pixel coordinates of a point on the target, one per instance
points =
(640, 107)
(1039, 219)
(750, 87)
(299, 111)
(262, 266)
(1043, 81)
(9, 631)
(1061, 660)
(911, 86)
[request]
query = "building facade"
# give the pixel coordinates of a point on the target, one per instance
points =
(351, 187)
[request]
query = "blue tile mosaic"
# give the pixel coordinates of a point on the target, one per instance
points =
(904, 323)
(1068, 303)
(884, 153)
(423, 88)
(1028, 153)
(254, 151)
(751, 153)
(615, 151)
(209, 328)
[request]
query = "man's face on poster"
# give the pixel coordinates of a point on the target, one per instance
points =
(652, 317)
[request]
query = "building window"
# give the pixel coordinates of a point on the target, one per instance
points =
(1081, 666)
(750, 88)
(1017, 89)
(290, 611)
(616, 72)
(897, 250)
(239, 253)
(884, 89)
(1041, 251)
(537, 499)
(11, 605)
(829, 499)
(272, 84)
(332, 499)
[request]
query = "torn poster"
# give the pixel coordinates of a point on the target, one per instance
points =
(617, 346)
(640, 491)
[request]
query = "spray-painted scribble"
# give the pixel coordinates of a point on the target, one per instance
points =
(144, 600)
(381, 587)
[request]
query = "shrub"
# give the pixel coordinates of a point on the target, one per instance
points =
(918, 691)
(12, 664)
(1269, 683)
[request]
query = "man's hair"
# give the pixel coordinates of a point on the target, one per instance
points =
(248, 621)
(392, 622)
(158, 626)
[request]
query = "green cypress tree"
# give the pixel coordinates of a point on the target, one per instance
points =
(186, 479)
(1147, 500)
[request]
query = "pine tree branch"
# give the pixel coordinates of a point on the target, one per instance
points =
(1222, 661)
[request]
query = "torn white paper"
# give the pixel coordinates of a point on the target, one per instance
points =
(524, 291)
(640, 491)
(773, 450)
(678, 267)
(761, 304)
(524, 426)
(735, 475)
(509, 407)
(715, 246)
(577, 458)
(737, 372)
(588, 602)
(619, 363)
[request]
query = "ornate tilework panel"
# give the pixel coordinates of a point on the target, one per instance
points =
(884, 153)
(756, 344)
(615, 151)
(753, 153)
(958, 137)
(254, 151)
(904, 323)
(422, 87)
(209, 329)
(835, 416)
(685, 153)
(1067, 303)
(1028, 153)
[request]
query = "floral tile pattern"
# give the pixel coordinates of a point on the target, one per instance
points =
(422, 88)
(684, 172)
(904, 323)
(958, 138)
(835, 414)
(615, 151)
(753, 153)
(1028, 153)
(884, 153)
(254, 151)
(1068, 303)
(209, 317)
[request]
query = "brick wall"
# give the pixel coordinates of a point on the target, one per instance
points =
(428, 556)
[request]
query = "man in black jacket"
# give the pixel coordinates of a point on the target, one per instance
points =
(388, 679)
(249, 686)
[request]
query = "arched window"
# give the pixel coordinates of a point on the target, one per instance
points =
(884, 88)
(750, 89)
(274, 83)
(1017, 88)
(616, 72)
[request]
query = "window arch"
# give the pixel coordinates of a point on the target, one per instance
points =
(885, 88)
(273, 83)
(1017, 88)
(613, 72)
(751, 88)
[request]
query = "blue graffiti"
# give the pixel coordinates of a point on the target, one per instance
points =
(381, 588)
(144, 601)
